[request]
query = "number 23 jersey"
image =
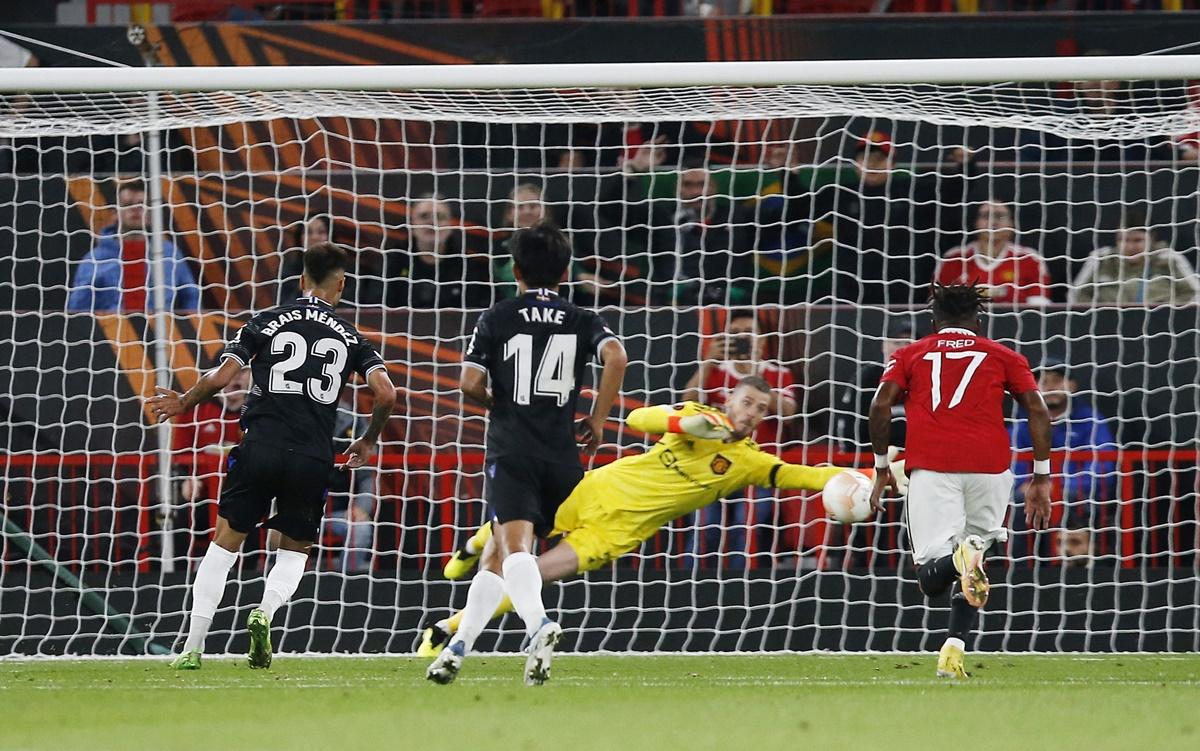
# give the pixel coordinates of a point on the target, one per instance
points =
(535, 348)
(300, 356)
(954, 383)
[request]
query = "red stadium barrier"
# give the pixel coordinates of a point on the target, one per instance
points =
(99, 509)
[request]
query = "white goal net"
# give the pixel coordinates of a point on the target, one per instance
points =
(781, 219)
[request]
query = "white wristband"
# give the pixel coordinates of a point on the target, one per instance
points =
(1041, 466)
(881, 461)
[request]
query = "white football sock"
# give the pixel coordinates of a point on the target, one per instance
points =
(283, 580)
(954, 642)
(486, 592)
(470, 548)
(523, 583)
(207, 588)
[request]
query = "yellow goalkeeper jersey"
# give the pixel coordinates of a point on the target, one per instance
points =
(681, 474)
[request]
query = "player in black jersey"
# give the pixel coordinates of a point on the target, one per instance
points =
(534, 349)
(300, 355)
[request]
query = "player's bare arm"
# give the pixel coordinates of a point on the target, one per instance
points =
(474, 386)
(615, 361)
(363, 449)
(1037, 496)
(166, 403)
(880, 424)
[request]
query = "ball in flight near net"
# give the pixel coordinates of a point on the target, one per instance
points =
(847, 497)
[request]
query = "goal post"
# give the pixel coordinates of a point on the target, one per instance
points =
(822, 197)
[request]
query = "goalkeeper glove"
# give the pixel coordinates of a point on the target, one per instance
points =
(710, 426)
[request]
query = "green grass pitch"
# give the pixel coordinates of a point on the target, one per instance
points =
(889, 702)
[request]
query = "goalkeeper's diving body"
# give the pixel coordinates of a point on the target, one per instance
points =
(705, 455)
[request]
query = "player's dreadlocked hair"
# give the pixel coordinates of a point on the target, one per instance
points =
(957, 302)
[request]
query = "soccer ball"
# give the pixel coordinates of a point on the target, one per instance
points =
(847, 497)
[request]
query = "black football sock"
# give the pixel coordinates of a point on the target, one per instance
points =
(936, 577)
(962, 617)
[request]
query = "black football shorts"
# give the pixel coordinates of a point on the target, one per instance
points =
(259, 473)
(523, 488)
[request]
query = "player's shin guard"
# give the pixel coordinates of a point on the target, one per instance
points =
(962, 617)
(283, 580)
(936, 576)
(207, 589)
(485, 593)
(523, 582)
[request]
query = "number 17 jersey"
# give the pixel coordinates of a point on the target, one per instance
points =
(954, 382)
(535, 349)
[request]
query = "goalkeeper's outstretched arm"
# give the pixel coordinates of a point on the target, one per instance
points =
(802, 477)
(708, 425)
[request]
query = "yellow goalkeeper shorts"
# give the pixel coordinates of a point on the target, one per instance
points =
(598, 535)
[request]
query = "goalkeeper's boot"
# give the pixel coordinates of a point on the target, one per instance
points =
(433, 640)
(950, 661)
(260, 640)
(186, 661)
(445, 668)
(968, 561)
(461, 563)
(541, 653)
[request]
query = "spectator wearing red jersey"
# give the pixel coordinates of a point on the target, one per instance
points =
(210, 429)
(1012, 273)
(737, 354)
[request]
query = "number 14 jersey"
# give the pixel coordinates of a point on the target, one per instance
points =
(535, 348)
(300, 356)
(954, 383)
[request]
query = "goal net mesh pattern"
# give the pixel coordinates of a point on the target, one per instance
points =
(787, 230)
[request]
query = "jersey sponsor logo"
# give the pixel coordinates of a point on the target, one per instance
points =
(720, 464)
(671, 462)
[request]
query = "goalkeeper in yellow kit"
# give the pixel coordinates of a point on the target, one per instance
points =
(705, 455)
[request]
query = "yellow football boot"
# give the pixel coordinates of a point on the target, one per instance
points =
(433, 640)
(461, 563)
(950, 662)
(968, 561)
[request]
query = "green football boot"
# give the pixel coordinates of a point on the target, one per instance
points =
(260, 640)
(186, 661)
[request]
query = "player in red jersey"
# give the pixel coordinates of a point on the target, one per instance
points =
(958, 454)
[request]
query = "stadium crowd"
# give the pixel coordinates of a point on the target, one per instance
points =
(667, 227)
